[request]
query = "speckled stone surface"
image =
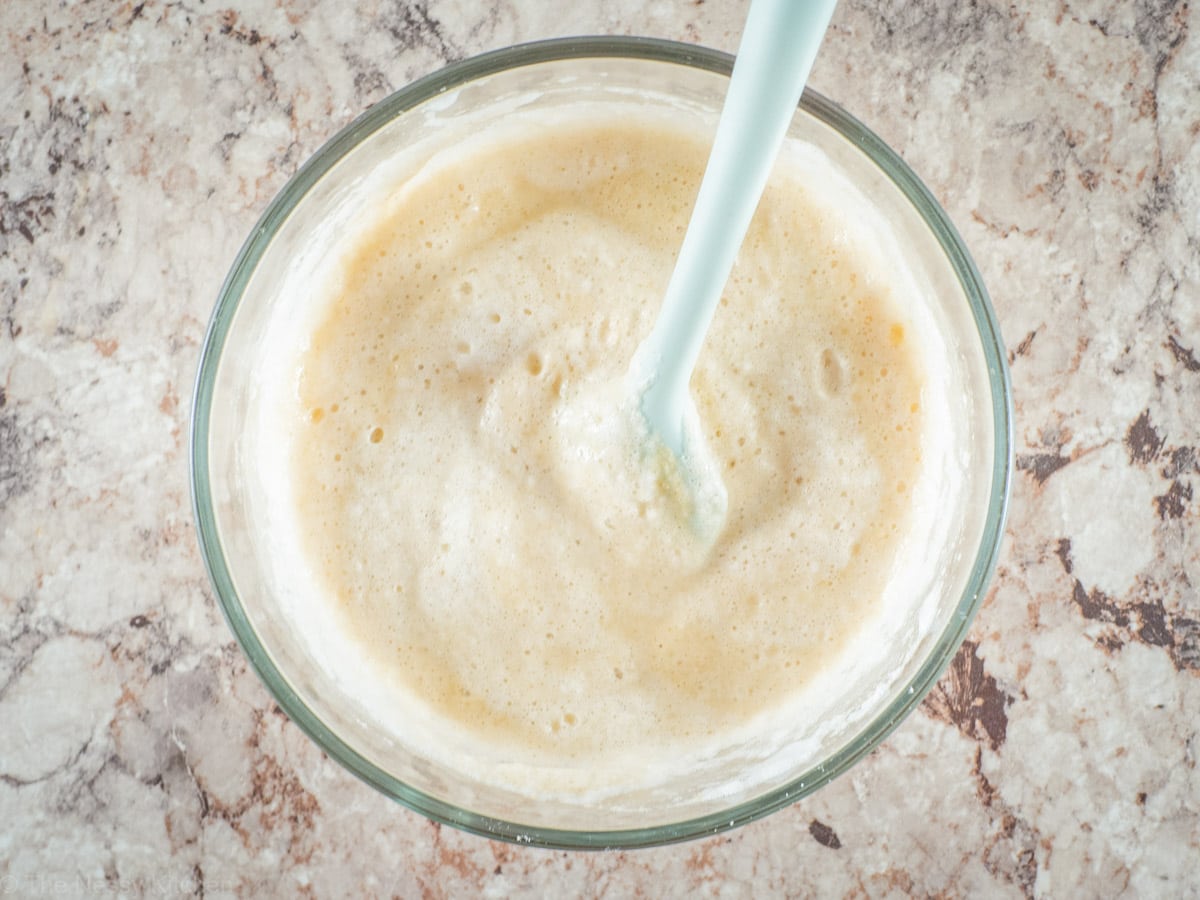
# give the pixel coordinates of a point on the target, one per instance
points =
(139, 755)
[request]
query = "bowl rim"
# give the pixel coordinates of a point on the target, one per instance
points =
(310, 173)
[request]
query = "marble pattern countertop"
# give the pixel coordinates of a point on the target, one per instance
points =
(139, 755)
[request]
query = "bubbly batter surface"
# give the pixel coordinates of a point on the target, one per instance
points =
(468, 492)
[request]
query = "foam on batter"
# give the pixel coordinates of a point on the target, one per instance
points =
(481, 546)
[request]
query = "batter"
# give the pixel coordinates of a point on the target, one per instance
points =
(468, 483)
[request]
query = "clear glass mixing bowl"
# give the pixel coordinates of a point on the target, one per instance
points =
(283, 250)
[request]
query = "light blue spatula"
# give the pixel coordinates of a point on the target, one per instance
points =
(778, 47)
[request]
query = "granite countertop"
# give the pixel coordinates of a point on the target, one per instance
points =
(139, 754)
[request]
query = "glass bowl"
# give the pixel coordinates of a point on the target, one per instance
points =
(283, 251)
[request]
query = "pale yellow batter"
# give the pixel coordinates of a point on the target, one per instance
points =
(468, 493)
